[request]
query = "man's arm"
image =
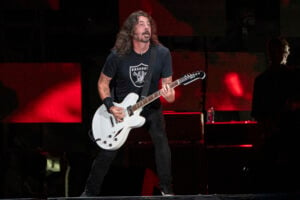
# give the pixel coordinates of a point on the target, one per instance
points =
(167, 92)
(104, 92)
(103, 86)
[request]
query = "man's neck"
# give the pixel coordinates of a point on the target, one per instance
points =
(140, 47)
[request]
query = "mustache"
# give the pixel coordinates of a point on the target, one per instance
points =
(146, 33)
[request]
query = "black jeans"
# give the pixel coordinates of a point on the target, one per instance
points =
(155, 124)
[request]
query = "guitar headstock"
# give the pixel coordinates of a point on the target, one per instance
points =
(190, 77)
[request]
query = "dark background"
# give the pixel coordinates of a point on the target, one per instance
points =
(224, 38)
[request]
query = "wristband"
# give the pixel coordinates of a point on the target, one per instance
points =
(108, 102)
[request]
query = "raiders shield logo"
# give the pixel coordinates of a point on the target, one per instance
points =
(137, 74)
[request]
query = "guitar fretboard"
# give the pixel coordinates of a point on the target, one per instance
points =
(152, 97)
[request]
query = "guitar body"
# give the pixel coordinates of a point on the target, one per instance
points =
(110, 134)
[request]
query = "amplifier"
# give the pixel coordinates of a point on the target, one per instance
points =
(231, 133)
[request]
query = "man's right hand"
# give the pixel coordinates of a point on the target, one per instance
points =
(117, 112)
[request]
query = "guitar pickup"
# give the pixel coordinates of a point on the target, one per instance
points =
(129, 110)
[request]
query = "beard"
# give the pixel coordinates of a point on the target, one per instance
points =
(144, 37)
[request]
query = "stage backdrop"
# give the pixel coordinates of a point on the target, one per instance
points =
(40, 92)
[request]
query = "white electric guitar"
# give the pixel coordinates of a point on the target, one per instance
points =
(110, 134)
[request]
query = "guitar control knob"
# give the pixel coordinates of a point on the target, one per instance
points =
(109, 136)
(104, 142)
(110, 145)
(116, 139)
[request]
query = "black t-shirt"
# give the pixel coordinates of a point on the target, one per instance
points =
(272, 89)
(128, 72)
(275, 98)
(269, 93)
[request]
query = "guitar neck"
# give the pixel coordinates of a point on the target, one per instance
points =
(152, 97)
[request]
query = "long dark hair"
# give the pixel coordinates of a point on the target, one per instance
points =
(274, 45)
(123, 44)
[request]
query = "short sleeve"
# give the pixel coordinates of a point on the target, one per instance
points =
(167, 63)
(110, 65)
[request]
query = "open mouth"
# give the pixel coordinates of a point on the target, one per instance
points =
(146, 33)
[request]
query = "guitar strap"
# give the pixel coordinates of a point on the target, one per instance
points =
(148, 76)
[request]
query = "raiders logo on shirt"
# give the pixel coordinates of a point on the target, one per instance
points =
(137, 74)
